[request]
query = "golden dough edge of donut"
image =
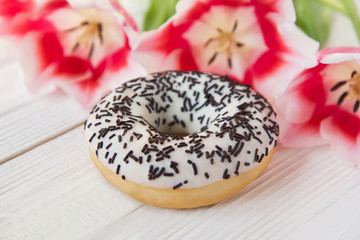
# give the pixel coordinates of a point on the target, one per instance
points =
(184, 198)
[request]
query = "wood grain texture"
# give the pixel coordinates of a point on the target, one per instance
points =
(293, 198)
(27, 120)
(49, 188)
(54, 192)
(34, 123)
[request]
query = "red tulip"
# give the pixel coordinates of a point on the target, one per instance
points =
(85, 52)
(322, 104)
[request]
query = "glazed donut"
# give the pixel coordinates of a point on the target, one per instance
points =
(182, 139)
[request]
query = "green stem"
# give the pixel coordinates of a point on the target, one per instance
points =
(158, 12)
(353, 15)
(335, 4)
(348, 8)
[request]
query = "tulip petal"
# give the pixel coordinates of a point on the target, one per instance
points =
(291, 54)
(342, 132)
(68, 22)
(247, 34)
(337, 55)
(39, 52)
(9, 8)
(89, 89)
(299, 135)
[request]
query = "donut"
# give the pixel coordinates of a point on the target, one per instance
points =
(182, 139)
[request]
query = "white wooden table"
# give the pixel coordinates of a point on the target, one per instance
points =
(49, 188)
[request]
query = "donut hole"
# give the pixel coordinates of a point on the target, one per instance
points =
(176, 124)
(174, 131)
(173, 121)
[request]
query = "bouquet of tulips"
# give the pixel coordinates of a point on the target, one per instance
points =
(85, 48)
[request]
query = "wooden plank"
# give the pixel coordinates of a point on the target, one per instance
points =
(298, 186)
(55, 192)
(27, 120)
(26, 127)
(344, 212)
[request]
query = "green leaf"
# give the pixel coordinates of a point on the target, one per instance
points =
(314, 19)
(158, 12)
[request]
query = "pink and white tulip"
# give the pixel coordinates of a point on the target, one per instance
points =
(322, 104)
(252, 41)
(84, 52)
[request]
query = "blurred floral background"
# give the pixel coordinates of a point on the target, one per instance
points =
(302, 55)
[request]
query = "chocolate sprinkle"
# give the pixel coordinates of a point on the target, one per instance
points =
(177, 186)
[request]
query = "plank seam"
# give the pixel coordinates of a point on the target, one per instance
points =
(31, 147)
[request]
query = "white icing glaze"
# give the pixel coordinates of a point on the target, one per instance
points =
(231, 123)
